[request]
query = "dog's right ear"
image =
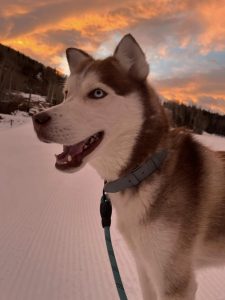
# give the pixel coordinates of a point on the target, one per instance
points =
(75, 58)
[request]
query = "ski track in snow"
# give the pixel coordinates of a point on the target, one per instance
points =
(51, 241)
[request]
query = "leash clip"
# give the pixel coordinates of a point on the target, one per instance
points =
(105, 210)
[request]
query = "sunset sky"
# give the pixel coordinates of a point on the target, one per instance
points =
(184, 41)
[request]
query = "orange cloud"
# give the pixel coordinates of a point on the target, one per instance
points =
(12, 9)
(93, 22)
(90, 25)
(34, 48)
(206, 90)
(95, 26)
(212, 15)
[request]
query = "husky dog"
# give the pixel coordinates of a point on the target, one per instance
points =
(111, 117)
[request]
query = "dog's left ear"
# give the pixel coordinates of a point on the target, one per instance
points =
(131, 57)
(76, 57)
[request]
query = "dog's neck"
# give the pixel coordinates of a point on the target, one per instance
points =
(115, 156)
(135, 144)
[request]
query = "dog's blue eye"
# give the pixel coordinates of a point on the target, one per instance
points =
(97, 94)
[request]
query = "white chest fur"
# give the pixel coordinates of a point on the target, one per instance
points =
(132, 210)
(151, 242)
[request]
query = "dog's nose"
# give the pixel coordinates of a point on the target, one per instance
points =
(41, 118)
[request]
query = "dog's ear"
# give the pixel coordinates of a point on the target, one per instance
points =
(131, 57)
(75, 58)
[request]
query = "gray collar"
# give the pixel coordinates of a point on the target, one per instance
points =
(137, 175)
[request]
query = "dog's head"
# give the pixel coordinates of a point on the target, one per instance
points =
(101, 103)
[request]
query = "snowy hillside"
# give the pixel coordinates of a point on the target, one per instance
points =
(51, 241)
(34, 102)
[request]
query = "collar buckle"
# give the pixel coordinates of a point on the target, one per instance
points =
(132, 178)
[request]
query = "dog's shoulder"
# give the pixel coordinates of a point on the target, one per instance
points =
(188, 154)
(182, 178)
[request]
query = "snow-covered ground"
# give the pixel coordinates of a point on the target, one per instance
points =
(51, 242)
(14, 120)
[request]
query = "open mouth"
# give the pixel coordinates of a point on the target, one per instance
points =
(72, 156)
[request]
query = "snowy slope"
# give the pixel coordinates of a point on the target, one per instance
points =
(51, 242)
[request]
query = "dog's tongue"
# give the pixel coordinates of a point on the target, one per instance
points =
(72, 156)
(69, 153)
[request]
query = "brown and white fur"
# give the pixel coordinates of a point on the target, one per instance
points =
(174, 221)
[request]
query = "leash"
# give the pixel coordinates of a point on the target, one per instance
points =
(132, 179)
(106, 212)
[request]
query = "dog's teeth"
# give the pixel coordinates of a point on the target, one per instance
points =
(69, 158)
(85, 146)
(61, 162)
